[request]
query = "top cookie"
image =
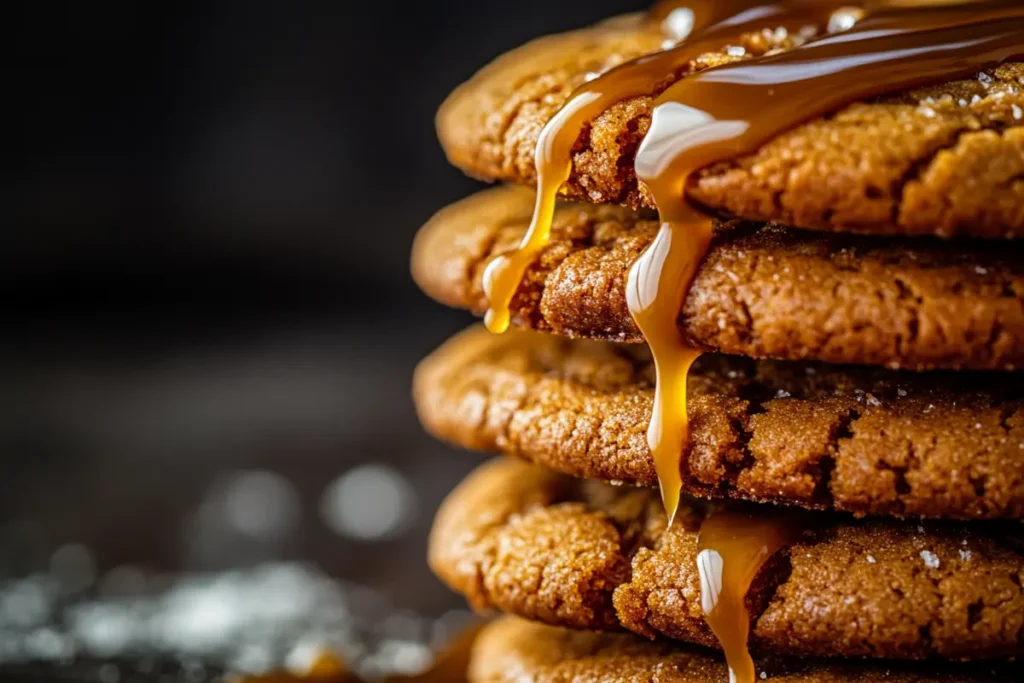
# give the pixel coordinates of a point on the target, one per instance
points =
(945, 160)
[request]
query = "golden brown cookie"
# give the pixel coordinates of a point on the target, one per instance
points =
(762, 291)
(943, 160)
(512, 650)
(813, 435)
(530, 542)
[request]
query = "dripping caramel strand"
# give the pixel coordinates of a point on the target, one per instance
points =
(888, 50)
(714, 24)
(705, 119)
(732, 547)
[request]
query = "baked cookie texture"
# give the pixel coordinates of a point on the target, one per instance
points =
(762, 291)
(512, 650)
(807, 397)
(532, 543)
(942, 160)
(848, 438)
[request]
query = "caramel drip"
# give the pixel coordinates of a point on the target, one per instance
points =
(713, 116)
(720, 113)
(732, 547)
(715, 24)
(707, 118)
(655, 290)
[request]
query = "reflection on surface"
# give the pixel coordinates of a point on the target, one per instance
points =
(369, 502)
(448, 666)
(284, 615)
(221, 504)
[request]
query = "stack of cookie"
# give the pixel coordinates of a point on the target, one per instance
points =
(853, 468)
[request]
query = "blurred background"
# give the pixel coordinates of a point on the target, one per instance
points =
(210, 329)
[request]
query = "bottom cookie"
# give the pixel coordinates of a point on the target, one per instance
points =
(533, 543)
(512, 650)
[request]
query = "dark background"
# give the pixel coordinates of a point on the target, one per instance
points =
(207, 214)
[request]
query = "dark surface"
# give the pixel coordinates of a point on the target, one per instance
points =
(207, 214)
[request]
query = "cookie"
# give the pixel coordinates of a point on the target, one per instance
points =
(512, 650)
(941, 160)
(762, 291)
(586, 555)
(813, 435)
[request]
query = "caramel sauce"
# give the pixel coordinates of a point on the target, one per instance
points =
(710, 116)
(720, 113)
(715, 23)
(732, 547)
(707, 118)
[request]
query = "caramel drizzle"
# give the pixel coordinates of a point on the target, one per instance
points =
(715, 23)
(706, 118)
(732, 547)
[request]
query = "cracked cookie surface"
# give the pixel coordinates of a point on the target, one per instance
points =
(527, 541)
(762, 291)
(942, 160)
(512, 650)
(812, 435)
